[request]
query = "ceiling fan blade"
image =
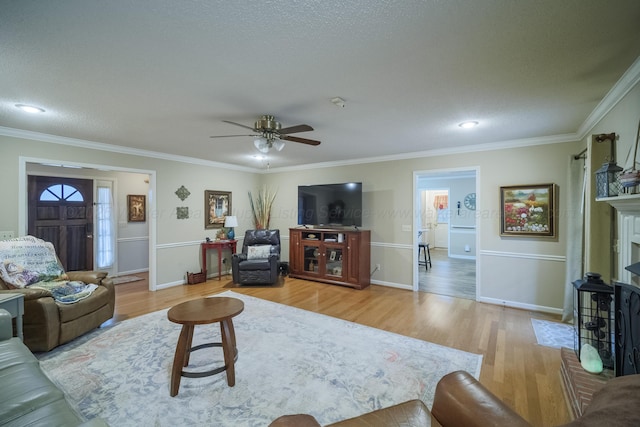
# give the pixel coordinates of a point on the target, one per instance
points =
(238, 124)
(298, 139)
(229, 136)
(295, 129)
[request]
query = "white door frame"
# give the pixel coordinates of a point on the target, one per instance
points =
(23, 202)
(442, 173)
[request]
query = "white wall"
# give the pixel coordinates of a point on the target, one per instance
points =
(517, 271)
(388, 199)
(174, 245)
(132, 237)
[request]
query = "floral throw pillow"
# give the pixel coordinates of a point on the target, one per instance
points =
(258, 252)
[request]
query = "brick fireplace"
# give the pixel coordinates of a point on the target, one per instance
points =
(580, 385)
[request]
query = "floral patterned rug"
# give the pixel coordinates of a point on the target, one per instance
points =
(289, 361)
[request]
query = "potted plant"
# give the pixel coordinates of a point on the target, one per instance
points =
(261, 207)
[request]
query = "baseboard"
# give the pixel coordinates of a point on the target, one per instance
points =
(171, 284)
(520, 305)
(130, 272)
(392, 285)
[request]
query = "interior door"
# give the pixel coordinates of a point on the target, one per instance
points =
(61, 212)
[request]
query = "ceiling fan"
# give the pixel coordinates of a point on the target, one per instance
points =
(270, 134)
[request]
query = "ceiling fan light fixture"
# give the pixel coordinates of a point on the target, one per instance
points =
(268, 133)
(261, 144)
(267, 122)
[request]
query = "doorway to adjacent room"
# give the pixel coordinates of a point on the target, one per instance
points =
(449, 227)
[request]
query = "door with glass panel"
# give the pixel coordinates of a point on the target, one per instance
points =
(60, 211)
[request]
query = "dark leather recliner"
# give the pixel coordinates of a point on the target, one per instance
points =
(258, 263)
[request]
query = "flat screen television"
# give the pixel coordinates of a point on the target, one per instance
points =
(330, 204)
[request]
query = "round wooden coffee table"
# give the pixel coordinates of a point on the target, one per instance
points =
(201, 312)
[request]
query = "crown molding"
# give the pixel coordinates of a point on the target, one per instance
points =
(491, 146)
(92, 145)
(628, 81)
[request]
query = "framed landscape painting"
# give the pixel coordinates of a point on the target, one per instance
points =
(528, 210)
(217, 205)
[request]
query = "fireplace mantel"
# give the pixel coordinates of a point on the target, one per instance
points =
(628, 204)
(628, 218)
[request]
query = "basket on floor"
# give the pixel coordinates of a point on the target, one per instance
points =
(193, 278)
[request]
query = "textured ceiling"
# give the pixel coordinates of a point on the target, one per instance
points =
(161, 75)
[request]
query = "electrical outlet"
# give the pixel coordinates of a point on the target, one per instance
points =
(378, 267)
(4, 235)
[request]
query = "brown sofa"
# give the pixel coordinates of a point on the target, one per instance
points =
(47, 324)
(461, 401)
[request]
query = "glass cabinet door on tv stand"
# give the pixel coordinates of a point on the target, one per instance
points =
(329, 255)
(323, 259)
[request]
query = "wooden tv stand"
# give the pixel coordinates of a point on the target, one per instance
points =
(331, 255)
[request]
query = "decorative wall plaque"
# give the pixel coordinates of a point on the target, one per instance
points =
(182, 212)
(182, 193)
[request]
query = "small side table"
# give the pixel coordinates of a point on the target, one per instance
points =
(14, 304)
(219, 245)
(203, 311)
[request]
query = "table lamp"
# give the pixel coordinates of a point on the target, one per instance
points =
(230, 222)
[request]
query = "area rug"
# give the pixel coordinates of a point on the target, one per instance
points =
(125, 279)
(289, 361)
(553, 334)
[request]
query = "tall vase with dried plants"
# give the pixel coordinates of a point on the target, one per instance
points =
(261, 207)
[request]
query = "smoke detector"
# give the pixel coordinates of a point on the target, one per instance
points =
(337, 101)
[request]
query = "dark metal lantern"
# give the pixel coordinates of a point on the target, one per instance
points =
(607, 183)
(593, 318)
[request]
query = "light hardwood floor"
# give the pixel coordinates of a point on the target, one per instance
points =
(454, 277)
(522, 373)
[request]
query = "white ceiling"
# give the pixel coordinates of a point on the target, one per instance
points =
(161, 75)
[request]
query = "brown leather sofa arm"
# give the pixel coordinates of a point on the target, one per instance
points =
(297, 420)
(29, 294)
(409, 413)
(87, 276)
(406, 414)
(461, 401)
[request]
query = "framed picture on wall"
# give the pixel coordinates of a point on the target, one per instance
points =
(217, 205)
(136, 208)
(528, 210)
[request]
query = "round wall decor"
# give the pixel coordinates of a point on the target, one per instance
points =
(470, 201)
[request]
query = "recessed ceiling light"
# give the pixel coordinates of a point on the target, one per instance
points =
(469, 124)
(30, 108)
